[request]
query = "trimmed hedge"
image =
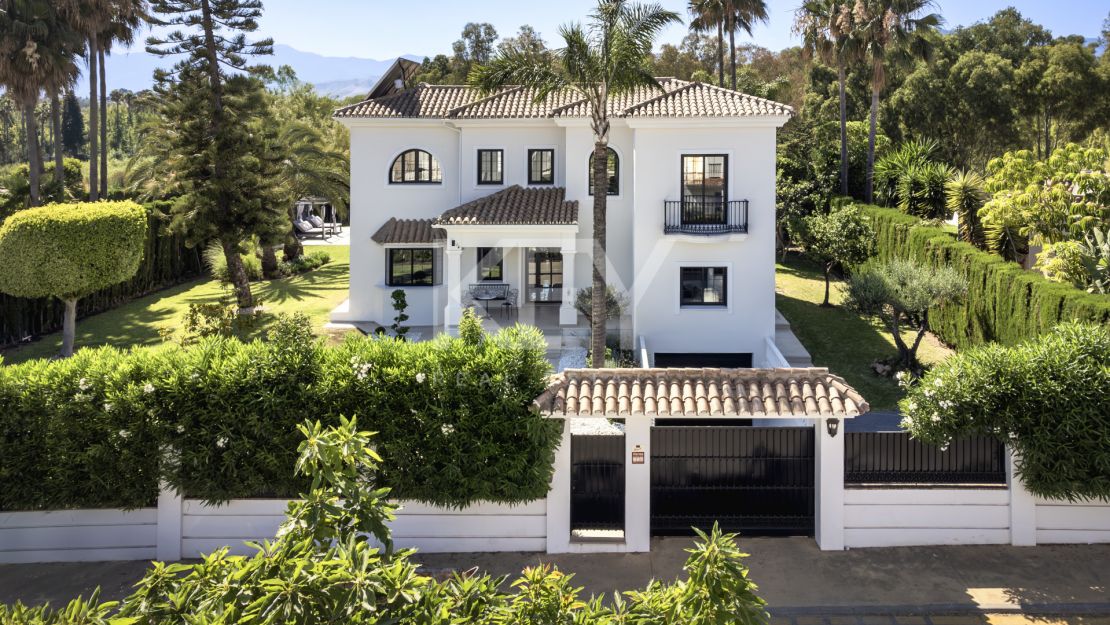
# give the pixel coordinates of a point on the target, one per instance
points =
(1004, 303)
(166, 261)
(453, 417)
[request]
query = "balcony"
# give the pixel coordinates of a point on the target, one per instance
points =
(705, 216)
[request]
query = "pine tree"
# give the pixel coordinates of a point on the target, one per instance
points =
(229, 197)
(73, 126)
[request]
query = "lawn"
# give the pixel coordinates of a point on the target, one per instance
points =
(841, 340)
(140, 321)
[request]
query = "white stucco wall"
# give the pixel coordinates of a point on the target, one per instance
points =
(749, 318)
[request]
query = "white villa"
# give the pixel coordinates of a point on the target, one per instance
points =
(466, 200)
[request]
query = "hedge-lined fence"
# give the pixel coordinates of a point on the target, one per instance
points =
(217, 420)
(166, 261)
(1005, 303)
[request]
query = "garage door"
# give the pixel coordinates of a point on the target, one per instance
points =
(721, 360)
(753, 480)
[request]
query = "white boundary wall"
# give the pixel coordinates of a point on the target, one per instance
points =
(905, 517)
(1072, 522)
(77, 535)
(179, 529)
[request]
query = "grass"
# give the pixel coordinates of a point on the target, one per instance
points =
(141, 321)
(841, 340)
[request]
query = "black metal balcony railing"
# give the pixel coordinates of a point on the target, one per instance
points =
(705, 216)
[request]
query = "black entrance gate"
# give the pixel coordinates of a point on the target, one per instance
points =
(597, 482)
(754, 480)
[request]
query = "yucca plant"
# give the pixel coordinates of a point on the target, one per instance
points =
(964, 196)
(1096, 260)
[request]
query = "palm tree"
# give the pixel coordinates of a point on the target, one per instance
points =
(126, 17)
(311, 168)
(709, 15)
(741, 14)
(890, 32)
(36, 51)
(826, 30)
(601, 60)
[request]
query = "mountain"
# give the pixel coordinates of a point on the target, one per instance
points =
(334, 75)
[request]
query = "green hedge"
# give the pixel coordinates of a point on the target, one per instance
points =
(453, 418)
(166, 261)
(1005, 303)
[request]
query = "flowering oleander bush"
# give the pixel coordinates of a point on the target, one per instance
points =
(1048, 398)
(217, 419)
(324, 566)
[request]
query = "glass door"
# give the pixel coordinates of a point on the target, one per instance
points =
(704, 188)
(544, 275)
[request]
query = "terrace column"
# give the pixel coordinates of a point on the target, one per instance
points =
(829, 484)
(453, 279)
(568, 316)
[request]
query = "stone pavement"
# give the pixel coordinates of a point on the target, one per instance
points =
(960, 585)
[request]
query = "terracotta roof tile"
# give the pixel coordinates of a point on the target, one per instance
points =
(679, 98)
(515, 205)
(727, 393)
(408, 231)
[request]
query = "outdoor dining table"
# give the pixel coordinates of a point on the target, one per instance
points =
(486, 298)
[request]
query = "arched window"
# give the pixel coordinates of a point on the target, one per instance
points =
(612, 171)
(415, 167)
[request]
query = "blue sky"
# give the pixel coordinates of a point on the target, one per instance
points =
(382, 29)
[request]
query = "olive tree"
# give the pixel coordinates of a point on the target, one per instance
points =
(842, 237)
(901, 292)
(69, 251)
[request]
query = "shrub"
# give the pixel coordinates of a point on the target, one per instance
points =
(216, 261)
(323, 567)
(68, 251)
(305, 263)
(615, 303)
(453, 412)
(1048, 398)
(1004, 302)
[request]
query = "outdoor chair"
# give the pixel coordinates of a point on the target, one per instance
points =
(306, 230)
(509, 306)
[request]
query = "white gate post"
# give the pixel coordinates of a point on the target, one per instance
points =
(637, 483)
(829, 485)
(558, 498)
(168, 528)
(1023, 507)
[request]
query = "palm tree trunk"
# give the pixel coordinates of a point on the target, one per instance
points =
(732, 50)
(237, 275)
(828, 273)
(94, 124)
(598, 308)
(840, 76)
(103, 127)
(59, 164)
(33, 160)
(871, 143)
(720, 53)
(69, 327)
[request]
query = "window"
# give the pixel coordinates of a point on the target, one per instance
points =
(489, 167)
(704, 188)
(415, 167)
(704, 286)
(612, 171)
(541, 166)
(491, 265)
(544, 275)
(411, 266)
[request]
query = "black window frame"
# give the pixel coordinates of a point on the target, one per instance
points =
(614, 179)
(484, 264)
(391, 262)
(704, 208)
(500, 166)
(433, 166)
(682, 279)
(532, 180)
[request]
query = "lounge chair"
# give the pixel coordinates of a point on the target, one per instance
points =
(306, 230)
